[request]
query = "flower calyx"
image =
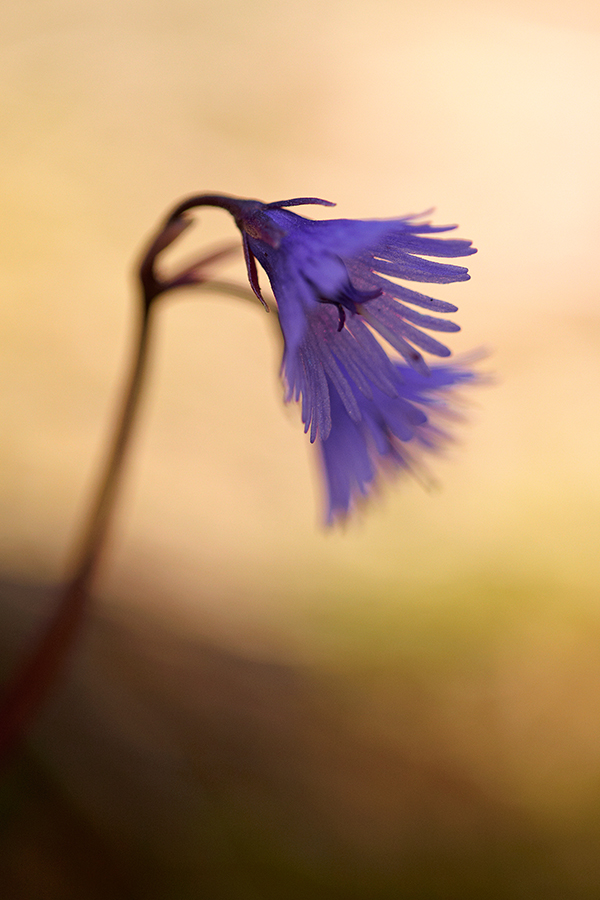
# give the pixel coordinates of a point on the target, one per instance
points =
(153, 283)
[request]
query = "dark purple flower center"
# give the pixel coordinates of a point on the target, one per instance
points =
(346, 298)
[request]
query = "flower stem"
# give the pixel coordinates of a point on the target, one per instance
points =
(35, 677)
(38, 671)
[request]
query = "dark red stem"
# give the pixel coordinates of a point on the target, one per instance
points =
(38, 671)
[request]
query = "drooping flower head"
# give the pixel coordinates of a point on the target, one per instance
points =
(331, 281)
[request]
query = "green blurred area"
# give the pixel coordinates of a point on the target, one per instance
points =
(457, 758)
(407, 707)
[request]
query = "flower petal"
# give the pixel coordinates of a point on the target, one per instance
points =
(391, 435)
(332, 283)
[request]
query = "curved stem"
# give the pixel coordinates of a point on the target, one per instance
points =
(37, 673)
(32, 680)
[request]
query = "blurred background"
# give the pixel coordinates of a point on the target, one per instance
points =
(405, 707)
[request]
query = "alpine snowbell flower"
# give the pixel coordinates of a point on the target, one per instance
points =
(332, 281)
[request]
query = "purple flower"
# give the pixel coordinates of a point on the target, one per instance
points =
(331, 281)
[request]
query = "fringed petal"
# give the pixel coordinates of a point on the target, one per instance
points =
(331, 281)
(391, 435)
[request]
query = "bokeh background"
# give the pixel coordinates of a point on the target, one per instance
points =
(259, 707)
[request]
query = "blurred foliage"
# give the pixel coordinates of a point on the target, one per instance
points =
(432, 758)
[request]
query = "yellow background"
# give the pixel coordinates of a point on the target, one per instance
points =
(485, 591)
